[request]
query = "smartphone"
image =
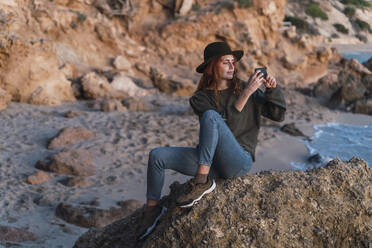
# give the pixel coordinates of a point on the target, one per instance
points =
(263, 70)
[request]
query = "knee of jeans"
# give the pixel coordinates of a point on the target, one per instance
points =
(210, 115)
(154, 156)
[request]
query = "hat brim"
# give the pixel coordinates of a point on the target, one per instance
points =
(238, 54)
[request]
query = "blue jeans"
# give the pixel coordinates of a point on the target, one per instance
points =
(217, 148)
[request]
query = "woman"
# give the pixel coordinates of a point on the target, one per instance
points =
(229, 113)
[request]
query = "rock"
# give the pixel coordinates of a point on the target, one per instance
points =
(96, 87)
(172, 83)
(324, 54)
(352, 90)
(72, 114)
(326, 206)
(367, 82)
(5, 99)
(93, 217)
(125, 84)
(75, 182)
(363, 107)
(14, 234)
(326, 86)
(354, 65)
(130, 204)
(110, 105)
(71, 162)
(182, 7)
(294, 63)
(144, 68)
(315, 159)
(368, 64)
(291, 129)
(121, 63)
(38, 178)
(291, 33)
(40, 81)
(68, 136)
(137, 104)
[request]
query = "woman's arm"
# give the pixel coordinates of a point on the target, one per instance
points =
(274, 107)
(201, 102)
(254, 83)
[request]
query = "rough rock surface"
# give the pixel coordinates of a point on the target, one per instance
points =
(133, 36)
(93, 217)
(347, 88)
(368, 64)
(70, 162)
(96, 86)
(137, 104)
(40, 81)
(38, 178)
(109, 105)
(68, 136)
(5, 99)
(322, 207)
(16, 234)
(75, 182)
(291, 129)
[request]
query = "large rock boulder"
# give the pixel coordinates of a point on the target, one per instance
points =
(322, 207)
(172, 84)
(68, 136)
(96, 86)
(85, 216)
(38, 177)
(363, 107)
(349, 85)
(368, 64)
(126, 84)
(5, 99)
(77, 162)
(31, 75)
(14, 234)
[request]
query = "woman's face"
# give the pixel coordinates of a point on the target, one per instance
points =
(225, 67)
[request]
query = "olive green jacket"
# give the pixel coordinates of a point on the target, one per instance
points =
(244, 125)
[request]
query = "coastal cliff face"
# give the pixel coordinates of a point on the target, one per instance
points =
(48, 46)
(338, 21)
(322, 207)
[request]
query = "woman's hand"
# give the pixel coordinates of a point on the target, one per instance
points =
(270, 82)
(254, 82)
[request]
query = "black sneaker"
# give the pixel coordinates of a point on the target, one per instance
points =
(149, 220)
(194, 192)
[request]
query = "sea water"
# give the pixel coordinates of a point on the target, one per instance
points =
(339, 140)
(360, 56)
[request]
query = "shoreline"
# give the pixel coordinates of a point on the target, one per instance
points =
(286, 149)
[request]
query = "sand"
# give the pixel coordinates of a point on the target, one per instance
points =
(120, 148)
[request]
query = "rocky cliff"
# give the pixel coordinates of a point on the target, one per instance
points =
(323, 207)
(338, 21)
(49, 48)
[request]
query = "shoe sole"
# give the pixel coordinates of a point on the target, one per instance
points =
(198, 199)
(152, 227)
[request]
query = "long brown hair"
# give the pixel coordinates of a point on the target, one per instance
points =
(210, 77)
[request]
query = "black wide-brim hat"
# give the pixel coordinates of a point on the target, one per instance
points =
(216, 49)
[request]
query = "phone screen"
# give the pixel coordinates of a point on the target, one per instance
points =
(263, 70)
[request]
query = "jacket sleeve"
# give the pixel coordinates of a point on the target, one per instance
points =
(273, 103)
(200, 102)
